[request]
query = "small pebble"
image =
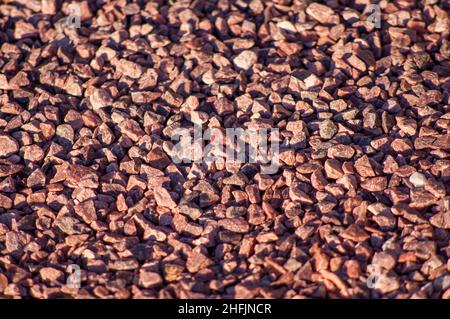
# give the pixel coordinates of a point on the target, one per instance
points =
(418, 179)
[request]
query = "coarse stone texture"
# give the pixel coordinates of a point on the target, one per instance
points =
(116, 164)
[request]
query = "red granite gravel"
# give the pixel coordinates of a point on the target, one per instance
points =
(359, 208)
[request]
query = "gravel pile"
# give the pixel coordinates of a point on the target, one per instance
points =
(92, 204)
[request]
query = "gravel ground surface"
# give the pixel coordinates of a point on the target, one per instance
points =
(92, 204)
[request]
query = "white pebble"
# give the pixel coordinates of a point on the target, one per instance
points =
(418, 179)
(245, 60)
